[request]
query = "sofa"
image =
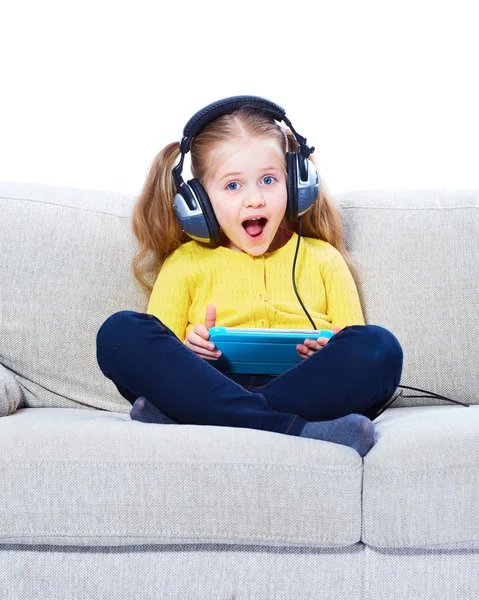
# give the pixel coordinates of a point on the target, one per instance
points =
(94, 505)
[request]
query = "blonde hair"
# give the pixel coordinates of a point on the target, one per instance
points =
(153, 220)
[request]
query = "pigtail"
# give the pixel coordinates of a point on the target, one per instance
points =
(153, 220)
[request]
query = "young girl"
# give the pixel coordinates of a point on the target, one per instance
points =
(239, 275)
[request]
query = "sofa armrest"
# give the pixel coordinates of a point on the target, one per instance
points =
(11, 394)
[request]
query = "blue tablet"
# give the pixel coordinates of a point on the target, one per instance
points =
(260, 351)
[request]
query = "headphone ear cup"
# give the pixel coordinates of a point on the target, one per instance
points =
(207, 209)
(302, 193)
(292, 186)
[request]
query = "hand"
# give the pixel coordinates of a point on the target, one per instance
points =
(197, 338)
(311, 346)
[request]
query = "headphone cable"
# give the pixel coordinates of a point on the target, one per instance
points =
(294, 267)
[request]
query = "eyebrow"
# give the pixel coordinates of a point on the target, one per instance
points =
(235, 174)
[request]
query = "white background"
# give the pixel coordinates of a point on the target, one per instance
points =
(387, 92)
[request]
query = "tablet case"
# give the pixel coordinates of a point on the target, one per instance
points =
(259, 351)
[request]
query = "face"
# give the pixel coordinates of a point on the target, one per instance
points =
(248, 193)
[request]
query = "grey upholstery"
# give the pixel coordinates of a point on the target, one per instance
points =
(94, 505)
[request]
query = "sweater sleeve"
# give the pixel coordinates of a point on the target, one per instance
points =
(170, 298)
(343, 303)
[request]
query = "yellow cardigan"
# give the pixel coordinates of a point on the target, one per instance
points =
(257, 291)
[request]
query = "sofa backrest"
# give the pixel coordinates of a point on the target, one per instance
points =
(65, 266)
(418, 263)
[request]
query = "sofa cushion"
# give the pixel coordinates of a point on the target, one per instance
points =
(418, 272)
(88, 477)
(421, 479)
(67, 267)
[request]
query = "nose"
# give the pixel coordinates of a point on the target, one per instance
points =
(254, 197)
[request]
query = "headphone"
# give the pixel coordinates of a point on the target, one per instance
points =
(192, 206)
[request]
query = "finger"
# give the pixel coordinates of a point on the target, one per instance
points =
(209, 354)
(199, 341)
(210, 318)
(201, 331)
(304, 350)
(203, 351)
(313, 344)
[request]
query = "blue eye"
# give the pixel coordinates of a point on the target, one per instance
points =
(268, 177)
(232, 183)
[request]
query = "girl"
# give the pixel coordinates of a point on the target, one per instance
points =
(246, 171)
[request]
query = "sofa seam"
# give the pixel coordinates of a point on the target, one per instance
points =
(407, 208)
(282, 467)
(89, 210)
(144, 533)
(421, 473)
(416, 544)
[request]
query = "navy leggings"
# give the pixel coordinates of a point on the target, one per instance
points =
(357, 371)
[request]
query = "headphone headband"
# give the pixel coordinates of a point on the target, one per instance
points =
(226, 106)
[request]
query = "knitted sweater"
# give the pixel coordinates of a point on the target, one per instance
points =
(251, 291)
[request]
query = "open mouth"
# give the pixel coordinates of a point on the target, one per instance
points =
(254, 228)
